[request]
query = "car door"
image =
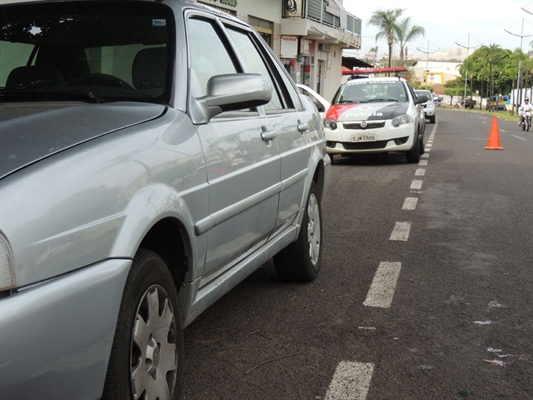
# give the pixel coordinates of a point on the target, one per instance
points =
(243, 164)
(295, 126)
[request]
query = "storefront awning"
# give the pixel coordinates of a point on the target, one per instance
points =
(352, 62)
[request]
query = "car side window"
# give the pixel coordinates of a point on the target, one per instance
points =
(208, 55)
(256, 64)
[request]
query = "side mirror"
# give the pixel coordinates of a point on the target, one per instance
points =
(232, 92)
(421, 99)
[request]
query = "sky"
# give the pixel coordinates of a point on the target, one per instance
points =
(449, 22)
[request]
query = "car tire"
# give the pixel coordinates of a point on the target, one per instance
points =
(413, 155)
(301, 260)
(432, 119)
(147, 352)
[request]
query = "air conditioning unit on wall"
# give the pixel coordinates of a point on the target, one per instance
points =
(323, 47)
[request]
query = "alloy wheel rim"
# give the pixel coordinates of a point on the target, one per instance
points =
(153, 351)
(313, 229)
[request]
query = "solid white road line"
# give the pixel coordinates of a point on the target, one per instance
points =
(420, 172)
(518, 137)
(416, 184)
(351, 381)
(401, 231)
(410, 203)
(383, 285)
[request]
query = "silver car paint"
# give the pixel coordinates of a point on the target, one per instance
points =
(56, 336)
(93, 199)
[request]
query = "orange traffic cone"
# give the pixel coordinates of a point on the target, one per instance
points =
(494, 137)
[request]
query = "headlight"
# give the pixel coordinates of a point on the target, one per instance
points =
(402, 119)
(330, 124)
(7, 265)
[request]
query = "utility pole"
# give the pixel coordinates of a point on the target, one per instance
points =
(519, 79)
(427, 58)
(466, 69)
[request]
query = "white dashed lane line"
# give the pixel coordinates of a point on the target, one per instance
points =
(382, 289)
(410, 203)
(401, 231)
(351, 381)
(416, 184)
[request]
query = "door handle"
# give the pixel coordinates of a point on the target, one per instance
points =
(303, 128)
(268, 135)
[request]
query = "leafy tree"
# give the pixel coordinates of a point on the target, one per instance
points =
(493, 70)
(386, 22)
(404, 32)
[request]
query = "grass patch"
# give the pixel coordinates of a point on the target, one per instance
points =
(500, 114)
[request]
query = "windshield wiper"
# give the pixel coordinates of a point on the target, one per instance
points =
(352, 101)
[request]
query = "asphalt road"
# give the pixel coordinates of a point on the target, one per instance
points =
(426, 289)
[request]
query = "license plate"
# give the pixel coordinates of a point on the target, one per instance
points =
(364, 137)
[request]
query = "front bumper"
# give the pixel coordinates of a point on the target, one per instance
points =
(56, 337)
(387, 139)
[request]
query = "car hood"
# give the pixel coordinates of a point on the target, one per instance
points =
(32, 131)
(366, 111)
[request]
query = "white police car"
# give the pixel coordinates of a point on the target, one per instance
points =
(376, 115)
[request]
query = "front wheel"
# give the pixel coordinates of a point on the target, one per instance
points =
(301, 260)
(413, 155)
(147, 356)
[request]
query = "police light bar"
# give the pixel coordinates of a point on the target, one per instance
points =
(374, 71)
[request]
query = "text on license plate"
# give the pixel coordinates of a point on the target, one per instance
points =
(364, 137)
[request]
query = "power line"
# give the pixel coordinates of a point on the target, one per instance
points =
(466, 69)
(427, 56)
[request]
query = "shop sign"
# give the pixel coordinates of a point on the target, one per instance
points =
(289, 46)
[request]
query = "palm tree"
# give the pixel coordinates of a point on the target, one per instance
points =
(375, 51)
(404, 33)
(492, 51)
(386, 22)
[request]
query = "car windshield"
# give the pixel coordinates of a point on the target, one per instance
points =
(93, 51)
(368, 92)
(426, 93)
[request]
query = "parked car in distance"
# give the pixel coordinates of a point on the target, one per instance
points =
(437, 100)
(321, 103)
(429, 106)
(376, 115)
(153, 155)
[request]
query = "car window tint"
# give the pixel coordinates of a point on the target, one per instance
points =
(208, 55)
(255, 63)
(116, 50)
(13, 55)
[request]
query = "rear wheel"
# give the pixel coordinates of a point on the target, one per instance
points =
(301, 260)
(147, 356)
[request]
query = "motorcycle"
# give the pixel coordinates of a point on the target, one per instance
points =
(525, 122)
